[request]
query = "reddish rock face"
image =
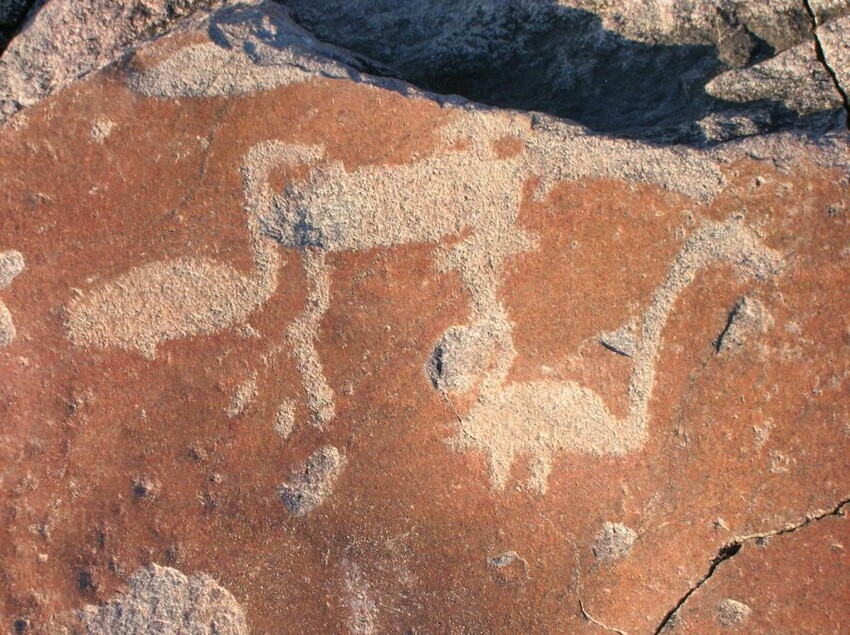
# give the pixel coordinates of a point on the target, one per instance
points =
(511, 377)
(795, 578)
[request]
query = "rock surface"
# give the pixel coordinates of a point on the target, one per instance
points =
(66, 39)
(836, 50)
(607, 65)
(750, 593)
(796, 77)
(376, 360)
(163, 600)
(573, 58)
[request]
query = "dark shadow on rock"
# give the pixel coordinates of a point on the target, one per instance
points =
(13, 16)
(541, 56)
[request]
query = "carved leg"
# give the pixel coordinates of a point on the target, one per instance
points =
(539, 470)
(484, 348)
(302, 337)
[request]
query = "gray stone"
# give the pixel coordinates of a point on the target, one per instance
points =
(796, 77)
(835, 39)
(66, 39)
(826, 10)
(309, 486)
(164, 600)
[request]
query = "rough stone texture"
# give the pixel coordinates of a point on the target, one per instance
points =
(790, 582)
(223, 285)
(603, 63)
(836, 50)
(12, 12)
(796, 77)
(66, 39)
(164, 600)
(826, 10)
(739, 29)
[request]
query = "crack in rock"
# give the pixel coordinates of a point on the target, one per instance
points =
(822, 58)
(733, 547)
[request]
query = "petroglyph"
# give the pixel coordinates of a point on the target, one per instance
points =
(11, 265)
(164, 600)
(284, 420)
(360, 599)
(303, 334)
(471, 187)
(473, 193)
(542, 418)
(245, 393)
(161, 301)
(252, 49)
(309, 486)
(614, 541)
(469, 190)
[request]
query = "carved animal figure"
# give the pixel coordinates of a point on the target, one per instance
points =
(542, 418)
(469, 191)
(448, 195)
(165, 300)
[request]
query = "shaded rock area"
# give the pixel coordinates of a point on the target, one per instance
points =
(795, 76)
(12, 13)
(835, 50)
(634, 69)
(741, 31)
(344, 355)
